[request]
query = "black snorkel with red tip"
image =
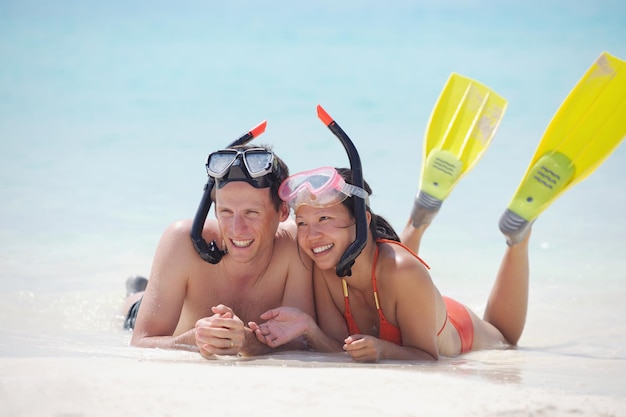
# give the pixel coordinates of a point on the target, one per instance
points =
(210, 252)
(344, 266)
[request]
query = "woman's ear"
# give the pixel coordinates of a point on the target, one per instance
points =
(368, 216)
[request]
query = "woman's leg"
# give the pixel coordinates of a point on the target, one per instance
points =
(411, 236)
(508, 302)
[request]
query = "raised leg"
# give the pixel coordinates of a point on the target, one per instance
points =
(411, 236)
(508, 302)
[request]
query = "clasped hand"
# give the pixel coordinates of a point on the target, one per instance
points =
(223, 333)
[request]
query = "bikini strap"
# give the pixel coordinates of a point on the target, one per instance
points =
(345, 291)
(353, 328)
(374, 278)
(395, 242)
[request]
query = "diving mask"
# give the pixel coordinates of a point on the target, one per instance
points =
(320, 187)
(250, 165)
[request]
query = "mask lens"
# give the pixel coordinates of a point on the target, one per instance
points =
(258, 162)
(313, 182)
(317, 181)
(219, 162)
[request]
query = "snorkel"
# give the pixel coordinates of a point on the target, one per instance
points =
(344, 266)
(210, 252)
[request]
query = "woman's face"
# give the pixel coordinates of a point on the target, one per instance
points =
(325, 233)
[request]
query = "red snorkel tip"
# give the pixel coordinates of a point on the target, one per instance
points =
(324, 117)
(259, 129)
(248, 136)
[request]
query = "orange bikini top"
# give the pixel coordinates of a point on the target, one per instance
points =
(387, 331)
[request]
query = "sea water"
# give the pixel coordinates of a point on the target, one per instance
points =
(109, 109)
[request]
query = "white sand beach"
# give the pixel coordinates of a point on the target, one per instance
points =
(181, 384)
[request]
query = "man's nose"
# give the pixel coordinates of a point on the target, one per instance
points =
(239, 222)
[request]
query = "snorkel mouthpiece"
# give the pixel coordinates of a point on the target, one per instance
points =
(210, 252)
(344, 266)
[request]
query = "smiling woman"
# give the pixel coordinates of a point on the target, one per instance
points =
(419, 323)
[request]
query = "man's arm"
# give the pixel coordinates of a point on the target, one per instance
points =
(163, 300)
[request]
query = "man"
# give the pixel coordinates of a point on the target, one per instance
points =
(192, 304)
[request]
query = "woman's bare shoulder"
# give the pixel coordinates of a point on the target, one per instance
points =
(401, 265)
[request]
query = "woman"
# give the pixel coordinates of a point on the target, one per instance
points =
(388, 308)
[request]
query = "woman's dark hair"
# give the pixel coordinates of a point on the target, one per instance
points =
(379, 226)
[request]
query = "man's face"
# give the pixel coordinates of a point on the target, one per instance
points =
(247, 219)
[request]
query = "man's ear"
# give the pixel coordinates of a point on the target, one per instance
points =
(368, 216)
(284, 211)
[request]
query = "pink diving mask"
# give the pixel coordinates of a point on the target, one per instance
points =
(320, 187)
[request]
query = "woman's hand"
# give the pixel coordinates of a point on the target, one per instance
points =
(282, 325)
(364, 348)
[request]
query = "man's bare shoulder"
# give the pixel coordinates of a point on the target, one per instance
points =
(286, 235)
(179, 227)
(175, 246)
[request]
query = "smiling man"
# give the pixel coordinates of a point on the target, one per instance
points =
(192, 304)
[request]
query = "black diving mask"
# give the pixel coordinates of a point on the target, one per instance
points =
(252, 165)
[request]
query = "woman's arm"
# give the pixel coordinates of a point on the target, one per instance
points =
(409, 300)
(416, 303)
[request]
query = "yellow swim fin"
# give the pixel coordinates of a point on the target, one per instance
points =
(585, 130)
(461, 127)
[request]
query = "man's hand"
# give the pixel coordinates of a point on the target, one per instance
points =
(221, 334)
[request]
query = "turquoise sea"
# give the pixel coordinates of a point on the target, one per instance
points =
(109, 109)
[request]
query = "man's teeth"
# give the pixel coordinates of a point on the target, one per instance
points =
(322, 248)
(242, 243)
